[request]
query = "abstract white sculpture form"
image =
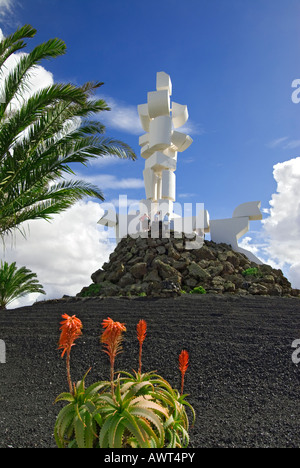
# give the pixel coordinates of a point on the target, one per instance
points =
(161, 143)
(159, 147)
(230, 230)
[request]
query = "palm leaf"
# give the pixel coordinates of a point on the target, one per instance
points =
(16, 282)
(44, 136)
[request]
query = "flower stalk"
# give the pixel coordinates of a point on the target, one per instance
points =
(70, 330)
(183, 366)
(112, 341)
(141, 335)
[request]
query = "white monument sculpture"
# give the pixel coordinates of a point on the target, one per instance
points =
(160, 145)
(230, 230)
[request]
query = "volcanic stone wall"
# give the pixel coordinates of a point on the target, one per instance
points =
(165, 267)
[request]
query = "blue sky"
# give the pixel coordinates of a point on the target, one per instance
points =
(232, 62)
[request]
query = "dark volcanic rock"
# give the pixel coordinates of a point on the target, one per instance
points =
(140, 266)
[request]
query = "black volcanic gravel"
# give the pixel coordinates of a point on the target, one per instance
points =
(241, 380)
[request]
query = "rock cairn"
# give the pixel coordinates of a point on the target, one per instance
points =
(163, 267)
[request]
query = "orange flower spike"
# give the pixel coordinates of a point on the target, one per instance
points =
(70, 330)
(112, 336)
(141, 329)
(183, 366)
(112, 339)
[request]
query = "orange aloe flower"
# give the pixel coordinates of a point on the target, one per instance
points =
(141, 329)
(112, 339)
(183, 366)
(70, 331)
(112, 336)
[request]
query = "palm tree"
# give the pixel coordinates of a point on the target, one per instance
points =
(16, 282)
(43, 134)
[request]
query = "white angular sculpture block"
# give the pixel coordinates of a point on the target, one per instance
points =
(228, 230)
(163, 82)
(250, 209)
(181, 141)
(159, 161)
(144, 139)
(149, 181)
(193, 224)
(146, 151)
(179, 114)
(158, 103)
(171, 153)
(160, 133)
(168, 185)
(232, 229)
(144, 116)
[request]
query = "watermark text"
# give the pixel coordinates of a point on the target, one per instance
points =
(2, 352)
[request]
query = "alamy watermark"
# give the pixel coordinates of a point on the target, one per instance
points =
(296, 353)
(156, 219)
(2, 352)
(296, 93)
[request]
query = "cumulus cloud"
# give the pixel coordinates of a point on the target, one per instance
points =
(63, 253)
(282, 226)
(246, 243)
(37, 79)
(123, 117)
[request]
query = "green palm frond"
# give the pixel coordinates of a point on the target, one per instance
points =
(44, 135)
(16, 282)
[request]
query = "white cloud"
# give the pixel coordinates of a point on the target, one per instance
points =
(123, 117)
(63, 253)
(282, 227)
(109, 181)
(192, 128)
(277, 142)
(245, 243)
(6, 7)
(186, 195)
(284, 142)
(294, 274)
(292, 144)
(38, 79)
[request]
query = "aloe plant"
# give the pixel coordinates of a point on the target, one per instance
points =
(153, 386)
(78, 423)
(138, 410)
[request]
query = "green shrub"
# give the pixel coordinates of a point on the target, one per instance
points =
(198, 290)
(252, 272)
(92, 290)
